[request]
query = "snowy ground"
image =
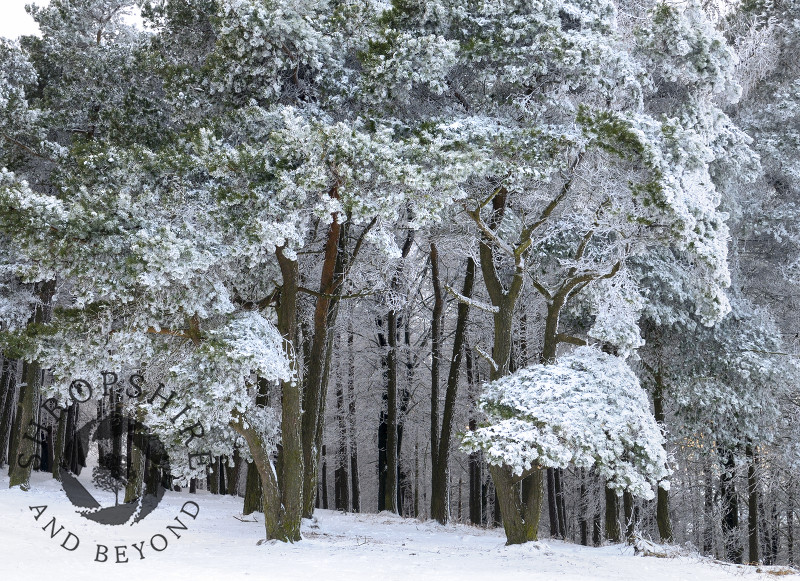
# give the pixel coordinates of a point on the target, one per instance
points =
(353, 547)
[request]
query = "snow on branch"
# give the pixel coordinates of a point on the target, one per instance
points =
(587, 409)
(471, 302)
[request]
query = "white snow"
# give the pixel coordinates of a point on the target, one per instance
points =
(336, 546)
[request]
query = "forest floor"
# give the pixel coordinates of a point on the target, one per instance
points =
(216, 545)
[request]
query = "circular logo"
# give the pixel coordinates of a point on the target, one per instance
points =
(125, 465)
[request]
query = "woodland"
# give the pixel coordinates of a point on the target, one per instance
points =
(530, 264)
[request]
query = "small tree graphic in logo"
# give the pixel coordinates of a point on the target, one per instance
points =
(110, 475)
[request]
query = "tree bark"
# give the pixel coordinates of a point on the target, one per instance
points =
(317, 370)
(790, 531)
(752, 506)
(584, 510)
(476, 486)
(340, 475)
(561, 510)
(390, 490)
(252, 491)
(59, 444)
(355, 486)
(436, 358)
(628, 511)
(439, 472)
(730, 507)
(291, 478)
(613, 533)
(551, 502)
(278, 523)
(662, 502)
(9, 385)
(520, 515)
(24, 457)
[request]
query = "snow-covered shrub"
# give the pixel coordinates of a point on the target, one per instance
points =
(587, 409)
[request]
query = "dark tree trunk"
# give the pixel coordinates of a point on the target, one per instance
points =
(136, 464)
(324, 478)
(730, 508)
(232, 474)
(252, 491)
(392, 473)
(212, 476)
(474, 462)
(630, 520)
(253, 501)
(790, 531)
(315, 387)
(440, 466)
(752, 506)
(497, 515)
(613, 533)
(551, 502)
(340, 476)
(24, 458)
(561, 508)
(708, 511)
(597, 529)
(60, 443)
(774, 545)
(382, 444)
(584, 510)
(436, 358)
(520, 511)
(8, 383)
(662, 502)
(355, 486)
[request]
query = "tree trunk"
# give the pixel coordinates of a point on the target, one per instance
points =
(278, 523)
(355, 486)
(24, 457)
(59, 444)
(662, 503)
(561, 510)
(630, 524)
(730, 507)
(340, 476)
(752, 506)
(613, 533)
(474, 460)
(390, 490)
(252, 491)
(292, 473)
(551, 502)
(439, 472)
(584, 510)
(520, 516)
(436, 358)
(519, 527)
(314, 390)
(9, 386)
(136, 463)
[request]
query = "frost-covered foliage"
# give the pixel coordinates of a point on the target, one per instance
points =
(725, 382)
(587, 409)
(617, 306)
(686, 49)
(218, 380)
